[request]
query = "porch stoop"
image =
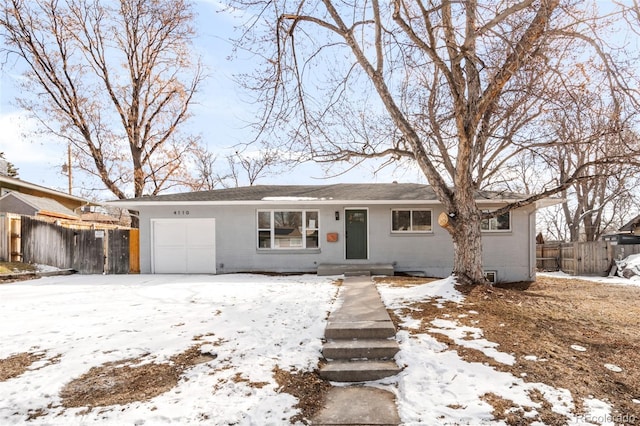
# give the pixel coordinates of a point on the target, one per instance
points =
(357, 269)
(360, 337)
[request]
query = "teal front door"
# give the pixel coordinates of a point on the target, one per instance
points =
(356, 231)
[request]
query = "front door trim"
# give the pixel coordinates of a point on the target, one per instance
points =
(345, 230)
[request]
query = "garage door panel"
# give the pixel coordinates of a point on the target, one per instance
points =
(200, 235)
(184, 246)
(169, 234)
(170, 260)
(199, 260)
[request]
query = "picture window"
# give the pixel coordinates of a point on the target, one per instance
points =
(288, 229)
(411, 220)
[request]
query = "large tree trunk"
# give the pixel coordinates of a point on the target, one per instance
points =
(467, 243)
(464, 227)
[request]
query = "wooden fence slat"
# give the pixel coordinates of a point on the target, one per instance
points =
(547, 257)
(134, 251)
(118, 251)
(5, 229)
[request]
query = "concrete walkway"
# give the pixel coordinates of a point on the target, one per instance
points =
(360, 347)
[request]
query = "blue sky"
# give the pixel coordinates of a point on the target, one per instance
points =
(220, 115)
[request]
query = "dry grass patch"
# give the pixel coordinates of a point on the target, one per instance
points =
(308, 387)
(504, 409)
(124, 382)
(16, 267)
(17, 364)
(543, 320)
(514, 415)
(11, 272)
(238, 378)
(403, 281)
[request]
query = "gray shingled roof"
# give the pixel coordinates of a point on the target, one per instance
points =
(44, 204)
(343, 191)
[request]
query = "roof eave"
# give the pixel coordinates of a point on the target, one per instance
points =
(139, 203)
(13, 183)
(548, 202)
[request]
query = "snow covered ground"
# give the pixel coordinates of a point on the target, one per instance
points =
(635, 280)
(438, 387)
(92, 319)
(255, 323)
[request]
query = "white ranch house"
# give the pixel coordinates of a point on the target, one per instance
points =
(312, 228)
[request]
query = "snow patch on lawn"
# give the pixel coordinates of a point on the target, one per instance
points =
(634, 281)
(252, 323)
(437, 386)
(470, 337)
(442, 290)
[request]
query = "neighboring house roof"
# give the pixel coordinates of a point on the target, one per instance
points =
(370, 193)
(99, 218)
(631, 225)
(43, 206)
(17, 185)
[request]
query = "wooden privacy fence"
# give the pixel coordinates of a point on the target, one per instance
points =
(582, 258)
(88, 251)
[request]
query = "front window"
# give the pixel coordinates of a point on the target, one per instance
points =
(288, 229)
(411, 220)
(498, 223)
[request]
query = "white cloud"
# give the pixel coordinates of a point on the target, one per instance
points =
(38, 159)
(18, 145)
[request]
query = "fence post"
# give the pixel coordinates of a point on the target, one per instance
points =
(15, 250)
(134, 251)
(105, 249)
(5, 237)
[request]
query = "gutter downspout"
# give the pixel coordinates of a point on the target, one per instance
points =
(531, 238)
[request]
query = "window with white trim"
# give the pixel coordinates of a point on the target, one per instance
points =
(499, 223)
(288, 229)
(411, 220)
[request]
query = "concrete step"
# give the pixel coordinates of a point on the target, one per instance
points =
(357, 405)
(358, 371)
(358, 349)
(359, 330)
(355, 269)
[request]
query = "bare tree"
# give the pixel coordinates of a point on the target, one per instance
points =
(114, 79)
(250, 167)
(592, 206)
(239, 168)
(205, 165)
(462, 89)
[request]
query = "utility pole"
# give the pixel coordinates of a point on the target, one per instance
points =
(69, 160)
(66, 168)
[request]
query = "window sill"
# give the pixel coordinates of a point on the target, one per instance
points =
(410, 233)
(288, 251)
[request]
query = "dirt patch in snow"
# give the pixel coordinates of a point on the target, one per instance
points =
(573, 334)
(17, 364)
(403, 281)
(128, 380)
(308, 387)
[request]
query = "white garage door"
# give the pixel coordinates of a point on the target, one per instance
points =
(183, 246)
